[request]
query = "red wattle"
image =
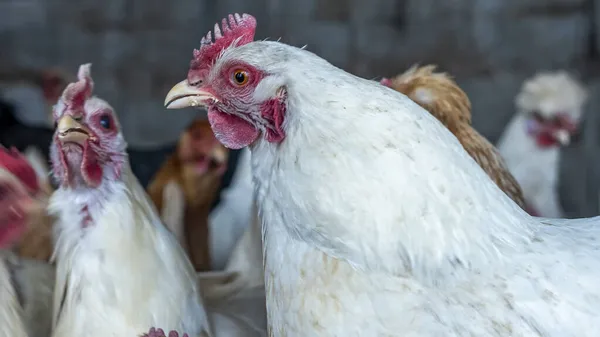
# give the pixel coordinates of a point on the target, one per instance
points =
(232, 131)
(90, 168)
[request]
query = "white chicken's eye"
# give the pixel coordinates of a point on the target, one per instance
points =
(240, 77)
(105, 121)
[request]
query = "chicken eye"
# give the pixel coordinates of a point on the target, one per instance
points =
(105, 121)
(240, 77)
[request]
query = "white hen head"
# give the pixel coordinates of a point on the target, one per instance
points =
(244, 84)
(88, 145)
(552, 103)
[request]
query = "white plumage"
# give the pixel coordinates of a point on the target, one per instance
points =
(126, 272)
(25, 296)
(534, 167)
(377, 223)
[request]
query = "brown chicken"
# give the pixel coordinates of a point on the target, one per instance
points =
(445, 100)
(186, 186)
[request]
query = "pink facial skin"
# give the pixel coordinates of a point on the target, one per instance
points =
(234, 117)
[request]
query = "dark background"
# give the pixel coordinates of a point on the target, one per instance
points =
(140, 48)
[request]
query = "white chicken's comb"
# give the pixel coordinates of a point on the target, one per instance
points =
(235, 27)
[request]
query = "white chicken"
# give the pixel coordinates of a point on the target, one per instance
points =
(549, 110)
(376, 222)
(119, 270)
(11, 312)
(232, 216)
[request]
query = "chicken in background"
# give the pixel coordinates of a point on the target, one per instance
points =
(33, 94)
(25, 285)
(37, 241)
(549, 108)
(446, 101)
(28, 125)
(185, 187)
(376, 221)
(233, 217)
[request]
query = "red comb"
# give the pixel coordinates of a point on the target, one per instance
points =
(75, 94)
(386, 81)
(14, 162)
(240, 30)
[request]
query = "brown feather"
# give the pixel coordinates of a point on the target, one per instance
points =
(200, 192)
(37, 242)
(445, 100)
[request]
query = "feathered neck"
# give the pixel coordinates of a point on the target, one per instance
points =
(91, 203)
(349, 155)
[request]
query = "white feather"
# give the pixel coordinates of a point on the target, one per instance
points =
(229, 220)
(535, 168)
(34, 282)
(377, 222)
(173, 212)
(126, 272)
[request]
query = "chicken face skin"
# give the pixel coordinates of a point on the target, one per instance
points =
(88, 144)
(242, 100)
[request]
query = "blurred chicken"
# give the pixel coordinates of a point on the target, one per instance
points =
(549, 108)
(37, 241)
(28, 127)
(186, 186)
(25, 285)
(33, 94)
(446, 101)
(27, 119)
(232, 218)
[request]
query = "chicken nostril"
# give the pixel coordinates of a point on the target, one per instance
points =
(195, 84)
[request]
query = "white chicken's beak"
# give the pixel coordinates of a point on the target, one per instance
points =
(563, 137)
(69, 130)
(183, 95)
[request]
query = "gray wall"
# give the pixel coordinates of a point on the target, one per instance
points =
(140, 48)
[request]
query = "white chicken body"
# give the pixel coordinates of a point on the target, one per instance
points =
(11, 313)
(124, 272)
(534, 168)
(376, 222)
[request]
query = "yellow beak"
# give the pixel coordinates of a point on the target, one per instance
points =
(182, 95)
(69, 130)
